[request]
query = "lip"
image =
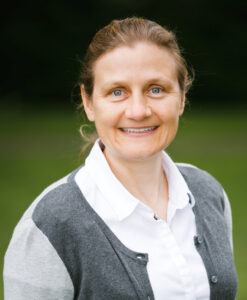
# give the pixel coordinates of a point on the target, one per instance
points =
(138, 131)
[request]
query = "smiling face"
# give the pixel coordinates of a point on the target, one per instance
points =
(136, 101)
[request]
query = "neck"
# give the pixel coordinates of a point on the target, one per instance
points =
(144, 179)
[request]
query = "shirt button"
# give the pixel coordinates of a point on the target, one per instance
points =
(198, 239)
(214, 279)
(156, 217)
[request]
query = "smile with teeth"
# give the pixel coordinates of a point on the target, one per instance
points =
(138, 130)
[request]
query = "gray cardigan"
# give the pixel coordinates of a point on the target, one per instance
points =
(101, 267)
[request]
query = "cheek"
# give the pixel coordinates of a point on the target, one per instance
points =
(169, 113)
(105, 117)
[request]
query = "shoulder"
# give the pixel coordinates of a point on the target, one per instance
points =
(47, 191)
(195, 175)
(205, 187)
(58, 203)
(186, 168)
(52, 201)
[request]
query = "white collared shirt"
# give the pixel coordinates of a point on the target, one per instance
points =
(175, 268)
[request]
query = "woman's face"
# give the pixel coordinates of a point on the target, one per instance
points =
(136, 101)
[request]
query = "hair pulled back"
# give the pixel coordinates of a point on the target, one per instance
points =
(127, 32)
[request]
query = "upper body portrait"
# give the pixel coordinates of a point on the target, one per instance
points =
(129, 223)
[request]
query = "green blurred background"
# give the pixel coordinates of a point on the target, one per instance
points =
(39, 138)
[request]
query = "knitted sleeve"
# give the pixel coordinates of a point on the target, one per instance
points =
(228, 218)
(33, 269)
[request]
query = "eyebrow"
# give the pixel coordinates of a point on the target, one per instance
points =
(154, 80)
(159, 80)
(111, 84)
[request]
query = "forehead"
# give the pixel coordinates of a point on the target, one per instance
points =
(143, 59)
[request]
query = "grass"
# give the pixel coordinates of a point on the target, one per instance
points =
(38, 147)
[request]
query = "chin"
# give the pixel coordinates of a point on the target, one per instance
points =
(140, 154)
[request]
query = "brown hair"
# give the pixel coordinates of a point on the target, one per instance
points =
(127, 32)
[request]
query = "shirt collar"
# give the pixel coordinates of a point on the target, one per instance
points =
(179, 192)
(120, 199)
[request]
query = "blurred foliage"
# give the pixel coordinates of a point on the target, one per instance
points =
(41, 42)
(37, 147)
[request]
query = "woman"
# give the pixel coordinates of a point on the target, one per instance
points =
(129, 224)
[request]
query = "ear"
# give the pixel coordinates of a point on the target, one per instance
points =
(87, 104)
(182, 104)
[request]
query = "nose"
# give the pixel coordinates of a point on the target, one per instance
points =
(137, 108)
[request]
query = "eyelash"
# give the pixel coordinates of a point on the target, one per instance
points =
(122, 94)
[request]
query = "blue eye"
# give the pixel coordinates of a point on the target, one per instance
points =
(156, 90)
(117, 93)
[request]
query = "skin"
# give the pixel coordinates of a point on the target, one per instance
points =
(136, 105)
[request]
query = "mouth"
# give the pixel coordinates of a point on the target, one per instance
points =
(139, 131)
